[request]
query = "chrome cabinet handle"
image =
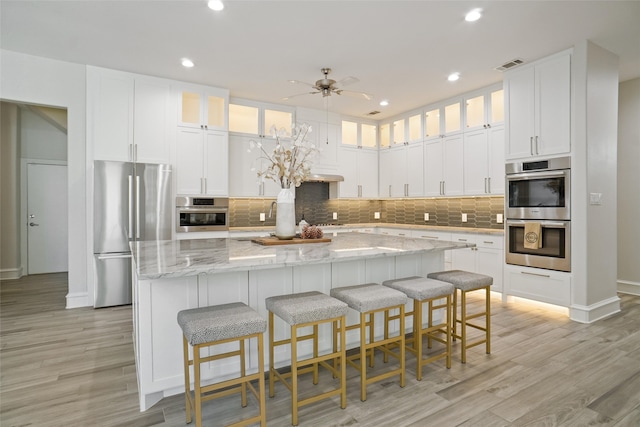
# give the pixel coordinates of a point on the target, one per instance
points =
(537, 147)
(130, 207)
(535, 274)
(137, 207)
(489, 184)
(531, 145)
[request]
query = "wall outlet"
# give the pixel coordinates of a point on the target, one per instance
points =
(376, 215)
(464, 217)
(499, 219)
(335, 215)
(426, 216)
(262, 217)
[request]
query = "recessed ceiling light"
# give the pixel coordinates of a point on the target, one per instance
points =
(473, 15)
(384, 102)
(453, 77)
(187, 63)
(215, 5)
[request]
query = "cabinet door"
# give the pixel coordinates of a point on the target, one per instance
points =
(553, 106)
(475, 113)
(110, 101)
(453, 166)
(349, 170)
(432, 124)
(368, 172)
(216, 163)
(153, 121)
(495, 139)
(189, 161)
(243, 178)
(215, 109)
(489, 262)
(520, 101)
(433, 168)
(475, 162)
(415, 169)
(398, 171)
(327, 143)
(386, 172)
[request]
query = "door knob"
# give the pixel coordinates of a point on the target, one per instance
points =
(33, 224)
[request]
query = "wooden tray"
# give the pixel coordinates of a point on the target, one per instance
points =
(273, 241)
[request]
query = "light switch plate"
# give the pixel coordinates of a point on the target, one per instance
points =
(262, 217)
(376, 215)
(426, 216)
(595, 198)
(499, 219)
(464, 217)
(335, 215)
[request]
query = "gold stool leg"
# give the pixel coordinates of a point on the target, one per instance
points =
(463, 325)
(454, 325)
(488, 319)
(402, 347)
(343, 363)
(417, 334)
(315, 354)
(196, 388)
(243, 373)
(363, 357)
(187, 381)
(261, 384)
(371, 336)
(448, 330)
(271, 353)
(294, 375)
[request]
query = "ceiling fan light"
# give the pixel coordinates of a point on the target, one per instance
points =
(473, 15)
(216, 5)
(384, 102)
(453, 77)
(187, 63)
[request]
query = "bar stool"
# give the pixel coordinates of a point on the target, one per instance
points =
(209, 326)
(423, 290)
(466, 282)
(299, 311)
(369, 299)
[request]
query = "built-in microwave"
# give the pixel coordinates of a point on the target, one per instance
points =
(554, 251)
(201, 214)
(539, 189)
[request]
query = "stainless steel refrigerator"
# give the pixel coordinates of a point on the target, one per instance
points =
(132, 202)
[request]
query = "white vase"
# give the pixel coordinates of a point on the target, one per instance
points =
(285, 215)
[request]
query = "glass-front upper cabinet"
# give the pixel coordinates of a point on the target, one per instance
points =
(385, 135)
(202, 107)
(432, 124)
(399, 132)
(414, 124)
(357, 134)
(453, 118)
(484, 108)
(253, 118)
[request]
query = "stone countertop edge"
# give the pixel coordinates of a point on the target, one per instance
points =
(181, 258)
(387, 225)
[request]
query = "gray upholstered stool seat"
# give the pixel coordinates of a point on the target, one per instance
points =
(305, 307)
(465, 281)
(368, 299)
(300, 311)
(430, 291)
(208, 327)
(220, 322)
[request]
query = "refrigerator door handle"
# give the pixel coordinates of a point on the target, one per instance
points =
(103, 257)
(137, 207)
(130, 207)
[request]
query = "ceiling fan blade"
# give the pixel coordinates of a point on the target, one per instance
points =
(364, 95)
(302, 83)
(348, 81)
(298, 94)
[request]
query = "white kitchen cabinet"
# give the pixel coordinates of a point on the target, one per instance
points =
(247, 161)
(484, 108)
(202, 107)
(401, 171)
(552, 287)
(129, 116)
(486, 258)
(538, 113)
(443, 119)
(484, 161)
(444, 166)
(202, 162)
(359, 167)
(256, 118)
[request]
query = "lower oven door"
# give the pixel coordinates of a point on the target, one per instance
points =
(199, 219)
(555, 250)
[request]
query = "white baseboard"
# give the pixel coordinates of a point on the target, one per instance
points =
(629, 287)
(11, 273)
(78, 299)
(591, 313)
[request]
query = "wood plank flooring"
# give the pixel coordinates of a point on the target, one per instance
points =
(76, 368)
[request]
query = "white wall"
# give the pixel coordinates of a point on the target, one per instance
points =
(628, 193)
(35, 80)
(10, 259)
(39, 139)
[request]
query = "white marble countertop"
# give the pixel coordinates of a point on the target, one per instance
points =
(178, 258)
(470, 230)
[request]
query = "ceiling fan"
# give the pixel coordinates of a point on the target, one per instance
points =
(327, 86)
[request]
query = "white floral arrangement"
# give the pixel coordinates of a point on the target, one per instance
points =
(290, 162)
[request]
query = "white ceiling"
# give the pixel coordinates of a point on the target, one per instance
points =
(399, 50)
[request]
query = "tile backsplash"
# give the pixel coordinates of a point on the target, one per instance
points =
(312, 200)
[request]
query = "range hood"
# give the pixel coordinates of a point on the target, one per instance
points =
(322, 177)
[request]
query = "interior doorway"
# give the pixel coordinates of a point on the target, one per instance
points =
(47, 245)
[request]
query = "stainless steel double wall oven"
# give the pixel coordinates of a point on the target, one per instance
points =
(539, 192)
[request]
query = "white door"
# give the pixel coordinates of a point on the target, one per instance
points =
(47, 218)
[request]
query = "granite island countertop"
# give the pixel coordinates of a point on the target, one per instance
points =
(179, 258)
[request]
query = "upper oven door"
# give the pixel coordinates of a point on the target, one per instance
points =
(539, 195)
(198, 219)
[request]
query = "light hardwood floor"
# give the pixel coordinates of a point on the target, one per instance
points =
(76, 368)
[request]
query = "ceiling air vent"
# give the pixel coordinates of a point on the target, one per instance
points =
(373, 113)
(508, 65)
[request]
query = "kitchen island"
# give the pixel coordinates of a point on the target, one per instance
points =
(170, 276)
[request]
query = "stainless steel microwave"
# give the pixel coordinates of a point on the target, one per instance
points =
(539, 189)
(195, 213)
